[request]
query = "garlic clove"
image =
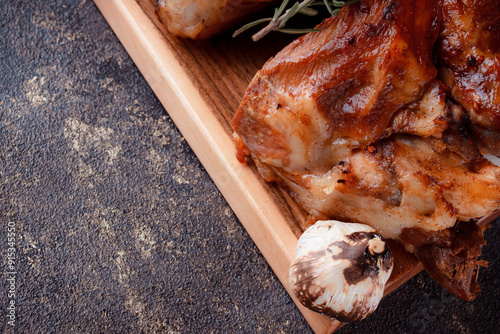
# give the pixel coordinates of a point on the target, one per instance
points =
(340, 269)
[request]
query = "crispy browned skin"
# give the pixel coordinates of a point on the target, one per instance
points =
(201, 19)
(357, 72)
(468, 54)
(353, 121)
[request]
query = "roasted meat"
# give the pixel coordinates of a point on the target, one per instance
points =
(355, 123)
(199, 19)
(450, 256)
(329, 92)
(403, 181)
(468, 57)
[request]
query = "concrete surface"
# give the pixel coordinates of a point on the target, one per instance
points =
(118, 228)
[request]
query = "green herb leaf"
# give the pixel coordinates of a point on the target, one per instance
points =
(250, 25)
(282, 15)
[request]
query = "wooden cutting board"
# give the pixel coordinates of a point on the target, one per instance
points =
(200, 85)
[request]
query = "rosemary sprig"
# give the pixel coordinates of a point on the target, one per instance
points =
(282, 15)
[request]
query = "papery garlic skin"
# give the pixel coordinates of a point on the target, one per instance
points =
(340, 269)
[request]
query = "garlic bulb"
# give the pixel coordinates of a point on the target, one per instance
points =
(340, 269)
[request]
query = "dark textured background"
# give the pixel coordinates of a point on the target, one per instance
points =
(119, 228)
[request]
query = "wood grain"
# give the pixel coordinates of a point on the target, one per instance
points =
(200, 85)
